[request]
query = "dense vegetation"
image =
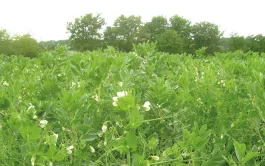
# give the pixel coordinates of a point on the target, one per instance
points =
(18, 44)
(139, 108)
(173, 35)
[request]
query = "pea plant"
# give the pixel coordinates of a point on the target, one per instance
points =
(144, 107)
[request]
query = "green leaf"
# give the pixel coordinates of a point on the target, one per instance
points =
(240, 150)
(52, 150)
(59, 156)
(131, 140)
(89, 137)
(216, 160)
(249, 156)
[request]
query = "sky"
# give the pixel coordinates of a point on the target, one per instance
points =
(47, 19)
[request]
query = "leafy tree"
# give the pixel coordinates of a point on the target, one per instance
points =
(236, 42)
(155, 27)
(170, 41)
(26, 45)
(5, 43)
(183, 27)
(125, 32)
(255, 43)
(85, 32)
(208, 35)
(4, 35)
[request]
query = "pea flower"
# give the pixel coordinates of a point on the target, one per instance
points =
(5, 83)
(104, 128)
(147, 106)
(43, 123)
(95, 97)
(69, 149)
(119, 95)
(122, 94)
(33, 158)
(92, 150)
(115, 101)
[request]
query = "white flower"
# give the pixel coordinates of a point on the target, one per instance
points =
(147, 106)
(35, 117)
(43, 123)
(33, 158)
(56, 136)
(156, 158)
(95, 97)
(104, 128)
(122, 94)
(119, 95)
(120, 84)
(115, 104)
(5, 83)
(115, 99)
(92, 150)
(69, 149)
(50, 163)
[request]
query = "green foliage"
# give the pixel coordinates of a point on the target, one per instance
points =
(155, 27)
(18, 45)
(208, 35)
(124, 33)
(170, 41)
(84, 32)
(26, 45)
(144, 107)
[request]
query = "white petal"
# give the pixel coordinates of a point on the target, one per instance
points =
(115, 98)
(115, 104)
(147, 104)
(104, 128)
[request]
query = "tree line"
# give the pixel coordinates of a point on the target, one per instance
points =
(173, 35)
(18, 44)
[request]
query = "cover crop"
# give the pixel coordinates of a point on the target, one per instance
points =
(139, 108)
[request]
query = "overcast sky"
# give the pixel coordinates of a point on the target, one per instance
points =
(46, 19)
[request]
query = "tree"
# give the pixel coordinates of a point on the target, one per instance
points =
(170, 41)
(183, 27)
(26, 45)
(206, 34)
(5, 43)
(255, 43)
(155, 27)
(4, 35)
(125, 31)
(236, 42)
(84, 32)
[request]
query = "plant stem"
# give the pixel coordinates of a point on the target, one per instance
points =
(129, 158)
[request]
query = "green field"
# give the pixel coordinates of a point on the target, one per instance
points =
(93, 108)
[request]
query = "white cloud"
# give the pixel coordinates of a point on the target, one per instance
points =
(46, 19)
